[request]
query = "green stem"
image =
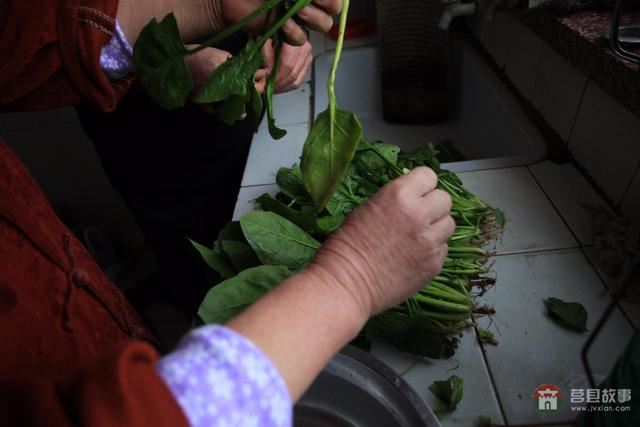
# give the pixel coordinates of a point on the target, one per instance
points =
(334, 67)
(454, 317)
(270, 4)
(467, 250)
(280, 22)
(433, 291)
(410, 368)
(445, 306)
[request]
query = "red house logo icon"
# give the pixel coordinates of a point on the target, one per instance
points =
(547, 397)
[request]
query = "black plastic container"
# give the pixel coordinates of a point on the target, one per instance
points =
(414, 61)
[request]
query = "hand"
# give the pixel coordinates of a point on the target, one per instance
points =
(295, 62)
(317, 16)
(204, 62)
(392, 245)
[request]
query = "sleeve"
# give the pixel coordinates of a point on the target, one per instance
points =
(120, 389)
(220, 378)
(50, 54)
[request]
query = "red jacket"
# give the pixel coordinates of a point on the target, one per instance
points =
(72, 351)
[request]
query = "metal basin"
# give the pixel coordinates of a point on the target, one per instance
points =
(357, 390)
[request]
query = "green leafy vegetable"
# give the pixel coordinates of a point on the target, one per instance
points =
(429, 323)
(230, 297)
(333, 139)
(240, 254)
(304, 220)
(233, 77)
(569, 315)
(278, 241)
(159, 59)
(215, 259)
(486, 337)
(276, 132)
(448, 392)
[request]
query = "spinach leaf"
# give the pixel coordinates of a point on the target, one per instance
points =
(291, 184)
(276, 132)
(231, 109)
(240, 254)
(333, 139)
(256, 107)
(232, 231)
(415, 334)
(306, 221)
(327, 153)
(448, 392)
(159, 61)
(230, 297)
(278, 241)
(569, 315)
(376, 155)
(425, 156)
(231, 77)
(328, 224)
(215, 259)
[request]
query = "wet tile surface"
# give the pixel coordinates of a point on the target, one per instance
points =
(533, 350)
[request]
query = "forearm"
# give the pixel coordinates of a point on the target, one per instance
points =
(197, 19)
(300, 325)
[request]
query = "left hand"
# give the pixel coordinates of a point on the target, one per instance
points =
(295, 62)
(204, 62)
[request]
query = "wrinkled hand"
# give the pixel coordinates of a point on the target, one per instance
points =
(317, 16)
(392, 245)
(204, 62)
(295, 62)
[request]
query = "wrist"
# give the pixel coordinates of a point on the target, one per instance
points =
(214, 16)
(349, 307)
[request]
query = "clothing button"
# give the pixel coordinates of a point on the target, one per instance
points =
(79, 277)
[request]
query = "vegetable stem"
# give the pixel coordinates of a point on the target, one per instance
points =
(280, 22)
(267, 6)
(334, 67)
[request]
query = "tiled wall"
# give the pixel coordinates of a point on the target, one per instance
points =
(602, 135)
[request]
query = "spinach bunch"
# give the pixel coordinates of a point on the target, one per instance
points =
(159, 59)
(284, 236)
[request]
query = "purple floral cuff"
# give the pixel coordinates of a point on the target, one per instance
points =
(221, 379)
(116, 57)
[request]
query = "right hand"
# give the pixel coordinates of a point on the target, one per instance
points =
(317, 16)
(392, 245)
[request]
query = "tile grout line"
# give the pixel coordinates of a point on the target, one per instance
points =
(606, 286)
(566, 223)
(494, 386)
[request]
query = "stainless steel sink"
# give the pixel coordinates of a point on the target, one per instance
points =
(488, 125)
(357, 390)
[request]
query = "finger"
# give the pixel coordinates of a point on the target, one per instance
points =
(316, 18)
(294, 33)
(260, 85)
(439, 233)
(261, 74)
(268, 55)
(332, 7)
(436, 205)
(419, 182)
